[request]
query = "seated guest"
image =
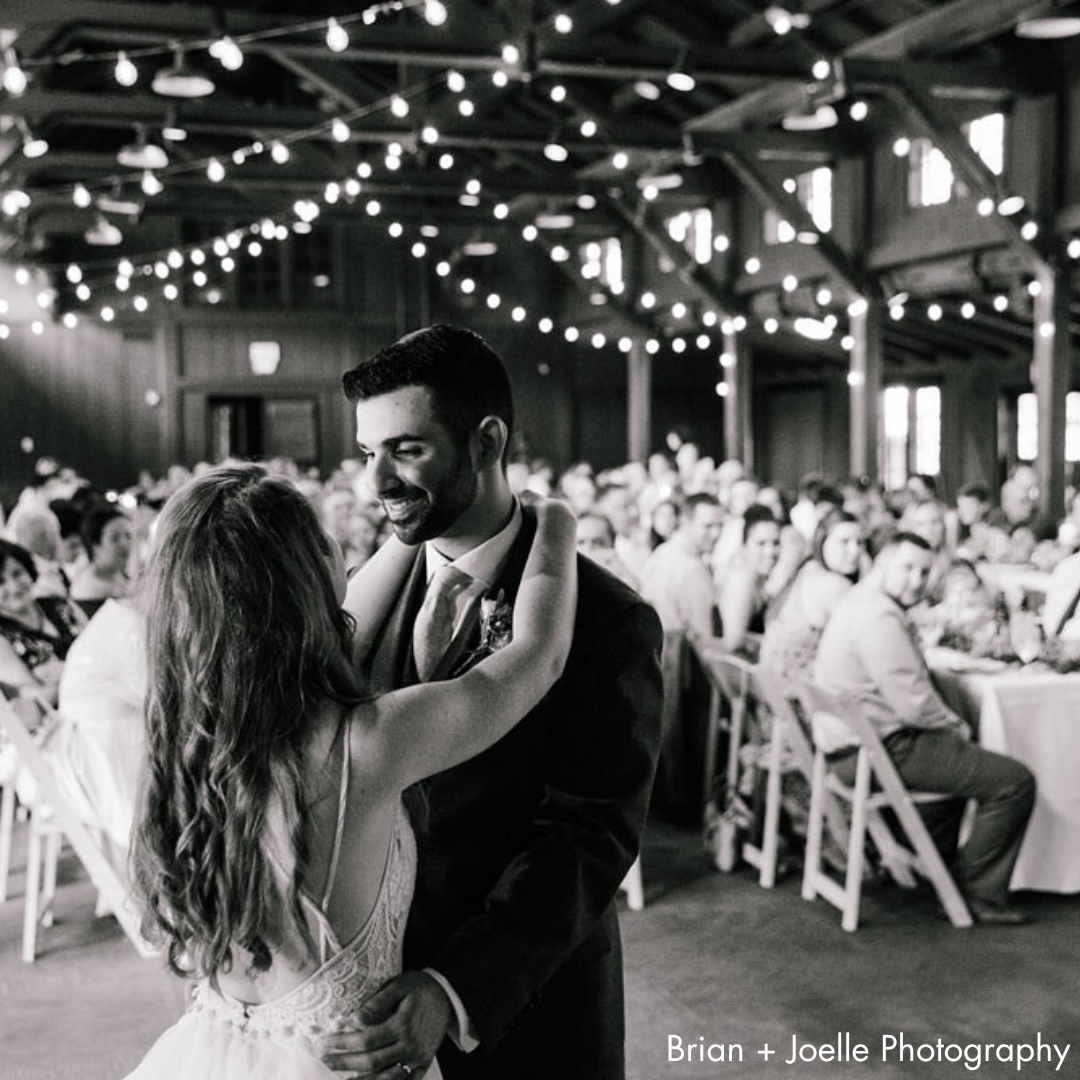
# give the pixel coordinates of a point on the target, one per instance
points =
(35, 632)
(675, 579)
(742, 597)
(742, 495)
(96, 752)
(793, 548)
(792, 632)
(928, 520)
(36, 528)
(72, 548)
(596, 538)
(967, 524)
(108, 536)
(663, 522)
(868, 653)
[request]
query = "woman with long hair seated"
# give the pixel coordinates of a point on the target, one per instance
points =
(799, 614)
(271, 849)
(743, 598)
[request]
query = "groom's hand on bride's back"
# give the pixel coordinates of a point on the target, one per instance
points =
(405, 1022)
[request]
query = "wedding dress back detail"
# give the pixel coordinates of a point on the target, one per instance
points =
(226, 1038)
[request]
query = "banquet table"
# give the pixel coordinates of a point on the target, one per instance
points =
(1033, 715)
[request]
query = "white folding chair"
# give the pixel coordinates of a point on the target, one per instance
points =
(51, 820)
(736, 680)
(904, 850)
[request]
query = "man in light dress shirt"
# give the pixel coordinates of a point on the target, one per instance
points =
(676, 579)
(869, 653)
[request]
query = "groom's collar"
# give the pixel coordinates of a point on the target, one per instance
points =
(485, 561)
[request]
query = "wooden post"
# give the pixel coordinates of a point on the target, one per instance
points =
(738, 429)
(864, 379)
(1050, 375)
(639, 402)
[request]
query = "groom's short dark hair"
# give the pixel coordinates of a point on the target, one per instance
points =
(466, 377)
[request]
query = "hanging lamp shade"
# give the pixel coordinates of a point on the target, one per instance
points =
(179, 80)
(810, 118)
(103, 234)
(141, 154)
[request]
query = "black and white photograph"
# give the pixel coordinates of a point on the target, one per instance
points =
(539, 539)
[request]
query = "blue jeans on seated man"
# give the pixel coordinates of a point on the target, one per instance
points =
(940, 761)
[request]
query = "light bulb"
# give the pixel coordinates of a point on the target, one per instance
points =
(434, 12)
(150, 184)
(215, 171)
(14, 79)
(127, 74)
(339, 130)
(279, 152)
(80, 196)
(337, 37)
(455, 81)
(399, 106)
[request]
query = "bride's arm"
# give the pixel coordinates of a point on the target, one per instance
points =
(424, 729)
(373, 591)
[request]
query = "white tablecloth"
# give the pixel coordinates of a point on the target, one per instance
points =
(1034, 718)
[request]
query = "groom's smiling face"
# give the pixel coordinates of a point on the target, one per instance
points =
(414, 464)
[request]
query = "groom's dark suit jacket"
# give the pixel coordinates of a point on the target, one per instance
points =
(523, 848)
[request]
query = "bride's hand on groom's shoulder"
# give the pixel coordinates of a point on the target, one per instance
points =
(403, 1024)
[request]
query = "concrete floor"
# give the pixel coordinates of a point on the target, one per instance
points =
(711, 957)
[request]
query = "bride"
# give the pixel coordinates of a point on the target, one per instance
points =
(271, 849)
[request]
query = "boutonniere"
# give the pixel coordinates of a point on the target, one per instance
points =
(496, 623)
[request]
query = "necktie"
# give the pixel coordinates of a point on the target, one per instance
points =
(434, 625)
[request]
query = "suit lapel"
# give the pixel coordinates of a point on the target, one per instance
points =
(461, 653)
(391, 664)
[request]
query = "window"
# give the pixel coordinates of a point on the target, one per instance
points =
(1027, 427)
(912, 429)
(814, 193)
(930, 176)
(930, 173)
(694, 230)
(987, 138)
(601, 260)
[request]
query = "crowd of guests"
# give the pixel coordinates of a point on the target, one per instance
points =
(718, 552)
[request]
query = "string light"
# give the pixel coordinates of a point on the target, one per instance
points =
(125, 72)
(337, 37)
(14, 78)
(227, 53)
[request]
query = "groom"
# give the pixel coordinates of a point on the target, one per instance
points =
(512, 951)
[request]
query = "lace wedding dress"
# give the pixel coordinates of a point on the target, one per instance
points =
(221, 1038)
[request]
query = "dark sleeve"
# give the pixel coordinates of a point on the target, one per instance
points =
(586, 827)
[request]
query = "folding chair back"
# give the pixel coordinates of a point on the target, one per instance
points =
(738, 682)
(63, 819)
(877, 788)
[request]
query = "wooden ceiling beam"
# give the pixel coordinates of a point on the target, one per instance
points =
(769, 193)
(929, 32)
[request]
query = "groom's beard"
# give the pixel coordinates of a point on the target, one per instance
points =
(417, 514)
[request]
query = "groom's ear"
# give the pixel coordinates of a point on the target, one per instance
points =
(491, 440)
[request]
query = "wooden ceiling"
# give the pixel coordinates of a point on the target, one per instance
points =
(533, 72)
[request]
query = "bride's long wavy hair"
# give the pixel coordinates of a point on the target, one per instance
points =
(246, 638)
